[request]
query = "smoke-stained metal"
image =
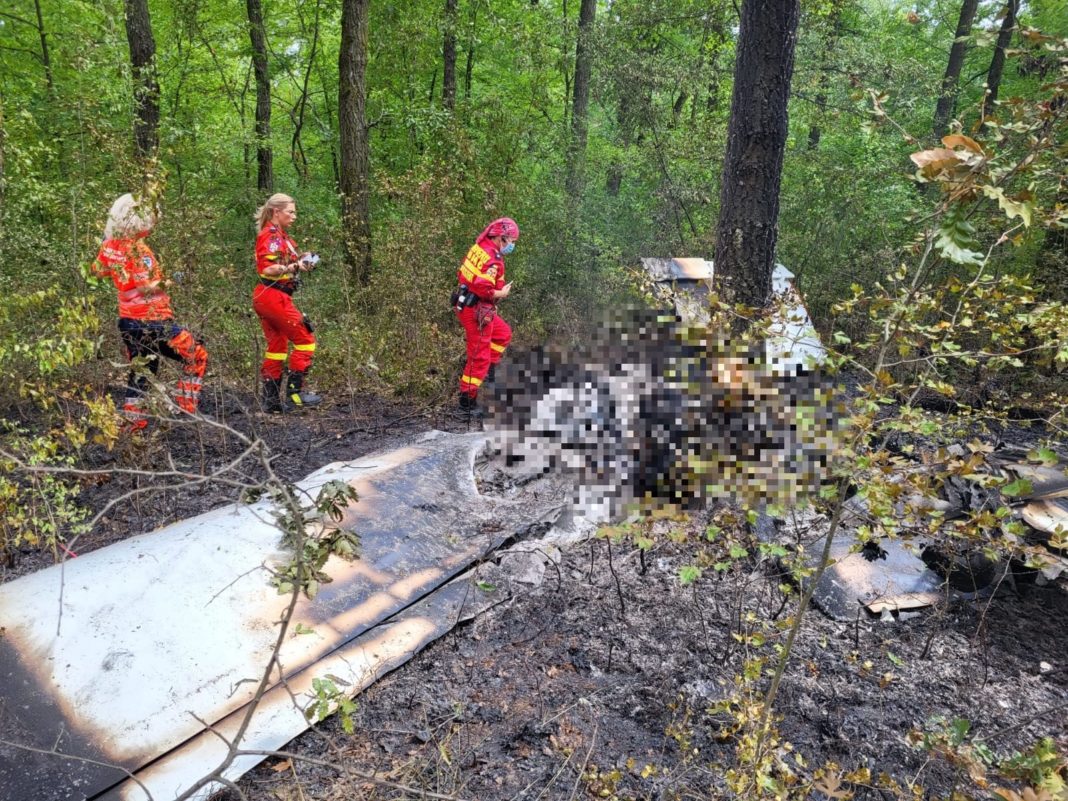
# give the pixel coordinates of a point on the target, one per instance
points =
(122, 655)
(792, 345)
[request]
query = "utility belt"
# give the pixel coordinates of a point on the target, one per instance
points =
(289, 287)
(463, 298)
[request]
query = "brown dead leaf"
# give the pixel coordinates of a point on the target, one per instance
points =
(285, 764)
(829, 785)
(1029, 794)
(960, 140)
(937, 154)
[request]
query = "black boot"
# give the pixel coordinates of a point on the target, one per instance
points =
(469, 408)
(271, 402)
(296, 396)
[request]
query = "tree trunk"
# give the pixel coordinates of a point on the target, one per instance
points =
(258, 36)
(46, 59)
(448, 49)
(997, 63)
(678, 106)
(947, 99)
(469, 67)
(756, 139)
(1051, 261)
(830, 42)
(355, 147)
(580, 101)
(3, 179)
(146, 84)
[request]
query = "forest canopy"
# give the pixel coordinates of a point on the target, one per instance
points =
(600, 127)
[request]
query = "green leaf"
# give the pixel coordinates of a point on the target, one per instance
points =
(485, 586)
(897, 660)
(1017, 488)
(956, 242)
(1044, 456)
(959, 729)
(688, 574)
(1012, 208)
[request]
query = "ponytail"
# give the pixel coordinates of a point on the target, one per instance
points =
(265, 212)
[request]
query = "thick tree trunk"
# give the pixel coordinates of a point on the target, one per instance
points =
(947, 98)
(756, 140)
(146, 84)
(355, 147)
(997, 63)
(264, 156)
(448, 49)
(580, 101)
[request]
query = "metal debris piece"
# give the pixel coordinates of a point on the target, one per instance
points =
(897, 579)
(1048, 517)
(793, 343)
(276, 721)
(163, 634)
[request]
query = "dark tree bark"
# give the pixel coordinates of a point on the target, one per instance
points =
(830, 42)
(1051, 261)
(580, 101)
(355, 147)
(146, 84)
(678, 106)
(3, 178)
(469, 66)
(296, 148)
(997, 63)
(46, 58)
(468, 70)
(264, 155)
(947, 98)
(756, 140)
(448, 49)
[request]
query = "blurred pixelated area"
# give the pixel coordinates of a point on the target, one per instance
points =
(666, 408)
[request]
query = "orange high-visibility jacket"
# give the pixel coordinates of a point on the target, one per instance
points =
(131, 265)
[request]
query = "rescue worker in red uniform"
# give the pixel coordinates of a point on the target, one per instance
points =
(279, 264)
(482, 285)
(146, 321)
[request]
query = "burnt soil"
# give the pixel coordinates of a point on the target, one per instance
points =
(602, 681)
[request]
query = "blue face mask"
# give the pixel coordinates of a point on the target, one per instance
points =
(508, 248)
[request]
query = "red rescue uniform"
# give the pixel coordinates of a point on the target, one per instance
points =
(147, 326)
(272, 300)
(131, 265)
(482, 271)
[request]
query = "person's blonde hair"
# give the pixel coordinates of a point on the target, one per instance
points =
(275, 202)
(128, 217)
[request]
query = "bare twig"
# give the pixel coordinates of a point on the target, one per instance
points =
(74, 758)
